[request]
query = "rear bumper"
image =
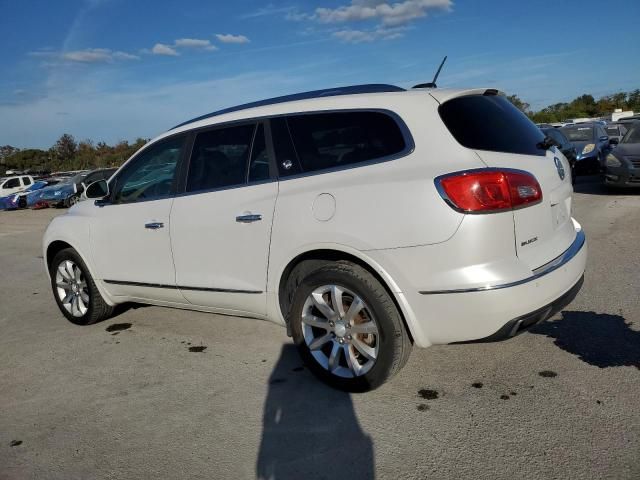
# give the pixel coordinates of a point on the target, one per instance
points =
(494, 310)
(525, 322)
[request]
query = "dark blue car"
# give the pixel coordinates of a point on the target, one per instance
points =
(592, 144)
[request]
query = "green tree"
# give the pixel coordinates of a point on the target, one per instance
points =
(65, 149)
(522, 106)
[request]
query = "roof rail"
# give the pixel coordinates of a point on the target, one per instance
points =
(331, 92)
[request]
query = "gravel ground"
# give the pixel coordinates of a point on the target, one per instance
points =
(132, 398)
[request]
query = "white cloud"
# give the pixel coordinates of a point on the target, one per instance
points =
(95, 55)
(389, 14)
(162, 49)
(269, 9)
(194, 43)
(360, 36)
(229, 38)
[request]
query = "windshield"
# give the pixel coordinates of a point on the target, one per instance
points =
(36, 186)
(578, 134)
(633, 135)
(612, 130)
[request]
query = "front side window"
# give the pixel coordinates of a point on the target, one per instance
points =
(557, 136)
(151, 174)
(219, 158)
(12, 183)
(329, 140)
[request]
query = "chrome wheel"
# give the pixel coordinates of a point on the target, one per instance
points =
(72, 288)
(73, 200)
(340, 331)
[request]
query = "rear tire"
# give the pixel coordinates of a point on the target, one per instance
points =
(75, 291)
(353, 344)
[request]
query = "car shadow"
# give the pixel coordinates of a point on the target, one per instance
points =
(309, 430)
(599, 339)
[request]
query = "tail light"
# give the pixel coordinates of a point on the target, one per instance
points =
(489, 190)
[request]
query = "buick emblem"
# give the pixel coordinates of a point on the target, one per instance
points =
(559, 167)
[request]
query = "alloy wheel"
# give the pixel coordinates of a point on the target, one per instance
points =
(72, 288)
(340, 331)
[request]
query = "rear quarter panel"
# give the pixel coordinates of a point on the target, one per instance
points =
(377, 206)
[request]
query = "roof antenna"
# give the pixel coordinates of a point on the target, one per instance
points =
(432, 84)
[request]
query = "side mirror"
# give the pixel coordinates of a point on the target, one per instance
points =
(604, 138)
(99, 189)
(614, 141)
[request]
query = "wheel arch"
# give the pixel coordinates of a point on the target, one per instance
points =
(316, 256)
(55, 246)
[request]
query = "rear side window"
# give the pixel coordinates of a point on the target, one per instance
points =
(219, 158)
(328, 140)
(491, 122)
(26, 181)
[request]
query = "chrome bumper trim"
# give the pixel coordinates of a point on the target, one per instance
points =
(545, 269)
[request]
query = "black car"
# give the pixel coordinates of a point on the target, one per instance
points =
(623, 163)
(565, 146)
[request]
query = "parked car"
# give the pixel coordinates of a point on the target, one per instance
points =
(566, 147)
(623, 163)
(365, 219)
(63, 194)
(615, 131)
(15, 184)
(592, 144)
(31, 194)
(94, 176)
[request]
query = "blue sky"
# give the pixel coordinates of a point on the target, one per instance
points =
(113, 70)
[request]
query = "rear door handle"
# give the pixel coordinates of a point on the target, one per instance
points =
(154, 225)
(249, 218)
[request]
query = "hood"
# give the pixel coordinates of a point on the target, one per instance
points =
(58, 191)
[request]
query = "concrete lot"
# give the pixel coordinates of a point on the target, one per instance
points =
(85, 402)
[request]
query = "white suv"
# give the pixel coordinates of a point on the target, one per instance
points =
(364, 219)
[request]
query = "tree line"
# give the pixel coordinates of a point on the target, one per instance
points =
(68, 154)
(584, 106)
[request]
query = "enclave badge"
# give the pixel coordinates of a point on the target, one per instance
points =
(559, 167)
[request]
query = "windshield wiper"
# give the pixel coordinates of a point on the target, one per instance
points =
(547, 143)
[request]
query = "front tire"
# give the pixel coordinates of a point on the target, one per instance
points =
(75, 291)
(347, 327)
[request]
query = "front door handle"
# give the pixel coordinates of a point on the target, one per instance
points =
(154, 225)
(249, 218)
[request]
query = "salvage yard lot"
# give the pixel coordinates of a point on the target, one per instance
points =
(161, 393)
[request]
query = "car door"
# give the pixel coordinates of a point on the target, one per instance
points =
(221, 225)
(130, 242)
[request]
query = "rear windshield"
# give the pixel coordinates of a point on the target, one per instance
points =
(491, 122)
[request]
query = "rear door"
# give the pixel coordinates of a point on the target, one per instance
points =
(503, 137)
(221, 225)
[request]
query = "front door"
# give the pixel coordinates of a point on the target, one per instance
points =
(221, 226)
(130, 240)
